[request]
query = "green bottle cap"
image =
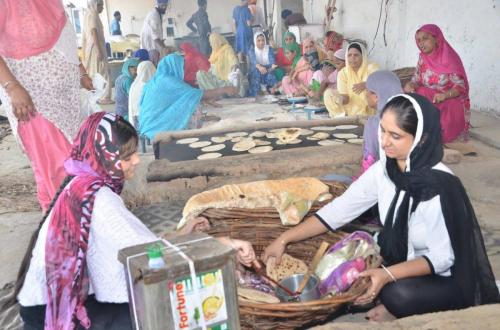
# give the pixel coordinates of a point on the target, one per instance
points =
(155, 251)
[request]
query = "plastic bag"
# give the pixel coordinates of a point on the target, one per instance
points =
(343, 262)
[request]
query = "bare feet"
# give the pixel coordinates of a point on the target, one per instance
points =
(379, 314)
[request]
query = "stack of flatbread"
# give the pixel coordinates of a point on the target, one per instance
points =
(289, 266)
(257, 296)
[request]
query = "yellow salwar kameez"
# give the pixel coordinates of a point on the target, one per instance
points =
(346, 78)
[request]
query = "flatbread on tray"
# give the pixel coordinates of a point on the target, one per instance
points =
(187, 141)
(346, 126)
(244, 145)
(212, 148)
(261, 149)
(288, 267)
(210, 155)
(219, 139)
(345, 136)
(200, 144)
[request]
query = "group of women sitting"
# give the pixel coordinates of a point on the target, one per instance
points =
(327, 73)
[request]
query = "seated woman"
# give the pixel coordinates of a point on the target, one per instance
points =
(380, 87)
(434, 256)
(224, 67)
(331, 43)
(287, 56)
(194, 61)
(261, 66)
(169, 104)
(142, 55)
(441, 77)
(327, 76)
(304, 70)
(350, 97)
(70, 276)
(145, 71)
(122, 86)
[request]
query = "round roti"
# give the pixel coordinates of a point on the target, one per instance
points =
(260, 150)
(304, 132)
(200, 144)
(237, 139)
(258, 134)
(271, 136)
(346, 126)
(244, 145)
(259, 143)
(355, 141)
(345, 136)
(289, 266)
(323, 128)
(330, 142)
(236, 134)
(319, 136)
(187, 141)
(212, 148)
(257, 296)
(210, 155)
(288, 134)
(219, 139)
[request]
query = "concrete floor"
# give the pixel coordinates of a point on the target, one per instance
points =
(19, 213)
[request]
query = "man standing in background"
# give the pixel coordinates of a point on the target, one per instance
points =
(198, 23)
(115, 24)
(152, 30)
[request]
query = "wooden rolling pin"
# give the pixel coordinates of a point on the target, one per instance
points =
(317, 257)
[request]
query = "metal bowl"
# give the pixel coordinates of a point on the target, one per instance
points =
(310, 292)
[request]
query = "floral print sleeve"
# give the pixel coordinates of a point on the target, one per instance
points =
(416, 79)
(457, 83)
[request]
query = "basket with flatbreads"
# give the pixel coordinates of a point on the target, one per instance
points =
(255, 212)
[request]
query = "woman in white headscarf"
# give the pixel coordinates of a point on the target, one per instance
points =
(145, 71)
(262, 65)
(95, 58)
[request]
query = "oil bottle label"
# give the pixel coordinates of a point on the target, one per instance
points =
(211, 292)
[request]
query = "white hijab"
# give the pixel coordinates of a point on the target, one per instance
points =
(261, 55)
(145, 71)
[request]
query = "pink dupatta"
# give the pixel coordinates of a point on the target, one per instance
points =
(444, 59)
(29, 27)
(95, 163)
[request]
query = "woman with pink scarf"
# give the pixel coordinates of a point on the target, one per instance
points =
(40, 86)
(303, 72)
(441, 78)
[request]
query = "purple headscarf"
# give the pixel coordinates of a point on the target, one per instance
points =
(385, 84)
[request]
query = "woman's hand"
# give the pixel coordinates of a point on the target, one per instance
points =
(246, 253)
(275, 249)
(359, 88)
(379, 278)
(261, 69)
(86, 82)
(199, 224)
(22, 105)
(439, 97)
(409, 87)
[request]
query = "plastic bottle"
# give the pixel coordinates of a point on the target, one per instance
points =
(155, 256)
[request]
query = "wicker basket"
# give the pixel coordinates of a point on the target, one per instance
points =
(261, 227)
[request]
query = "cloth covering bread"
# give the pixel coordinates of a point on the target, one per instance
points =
(290, 197)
